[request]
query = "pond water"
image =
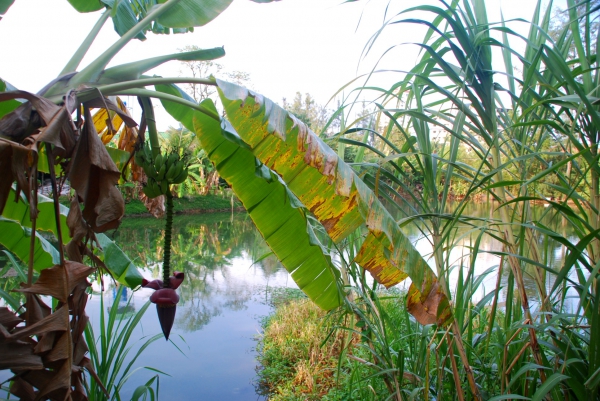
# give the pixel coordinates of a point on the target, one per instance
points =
(226, 293)
(223, 298)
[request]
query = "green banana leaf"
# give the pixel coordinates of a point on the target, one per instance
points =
(133, 70)
(15, 231)
(338, 198)
(277, 213)
(8, 105)
(5, 5)
(86, 6)
(16, 238)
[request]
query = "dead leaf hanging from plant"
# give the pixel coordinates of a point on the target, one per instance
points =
(94, 177)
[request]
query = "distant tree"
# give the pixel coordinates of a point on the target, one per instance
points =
(198, 69)
(204, 69)
(586, 10)
(305, 108)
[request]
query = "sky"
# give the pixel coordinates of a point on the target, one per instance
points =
(310, 46)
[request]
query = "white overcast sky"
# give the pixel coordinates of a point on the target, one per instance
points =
(309, 46)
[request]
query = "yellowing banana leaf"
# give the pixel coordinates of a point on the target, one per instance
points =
(275, 211)
(339, 199)
(15, 232)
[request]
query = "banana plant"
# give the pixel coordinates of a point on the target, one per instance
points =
(288, 153)
(42, 126)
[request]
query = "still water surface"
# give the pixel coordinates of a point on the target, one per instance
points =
(223, 298)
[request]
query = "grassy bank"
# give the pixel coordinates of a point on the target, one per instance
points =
(307, 354)
(193, 204)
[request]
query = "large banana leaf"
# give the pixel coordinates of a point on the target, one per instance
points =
(338, 198)
(16, 238)
(15, 233)
(276, 212)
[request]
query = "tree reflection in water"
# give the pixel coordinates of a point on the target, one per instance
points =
(215, 251)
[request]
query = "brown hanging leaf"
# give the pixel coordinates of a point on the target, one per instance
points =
(13, 163)
(18, 355)
(94, 177)
(24, 121)
(22, 389)
(54, 322)
(8, 319)
(59, 385)
(55, 283)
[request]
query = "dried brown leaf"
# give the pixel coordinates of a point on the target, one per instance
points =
(59, 385)
(56, 283)
(45, 343)
(156, 206)
(23, 121)
(19, 355)
(13, 163)
(427, 309)
(8, 319)
(57, 321)
(94, 176)
(60, 350)
(22, 389)
(36, 309)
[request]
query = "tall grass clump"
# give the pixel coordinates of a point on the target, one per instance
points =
(296, 361)
(114, 351)
(520, 110)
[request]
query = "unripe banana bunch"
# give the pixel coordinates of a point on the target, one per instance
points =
(162, 170)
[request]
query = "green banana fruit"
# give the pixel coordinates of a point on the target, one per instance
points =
(164, 187)
(181, 177)
(171, 172)
(162, 172)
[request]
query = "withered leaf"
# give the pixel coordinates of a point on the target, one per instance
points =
(13, 163)
(425, 310)
(57, 321)
(22, 122)
(22, 389)
(45, 343)
(60, 384)
(19, 355)
(36, 308)
(8, 319)
(60, 350)
(94, 177)
(59, 282)
(156, 206)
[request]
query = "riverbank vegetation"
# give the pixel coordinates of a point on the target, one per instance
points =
(524, 321)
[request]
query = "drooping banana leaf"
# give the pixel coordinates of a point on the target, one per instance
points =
(276, 212)
(338, 198)
(16, 230)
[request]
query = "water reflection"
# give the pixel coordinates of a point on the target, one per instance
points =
(222, 298)
(211, 250)
(466, 238)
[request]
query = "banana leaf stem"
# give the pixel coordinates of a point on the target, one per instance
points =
(142, 82)
(168, 229)
(85, 45)
(151, 123)
(92, 71)
(89, 94)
